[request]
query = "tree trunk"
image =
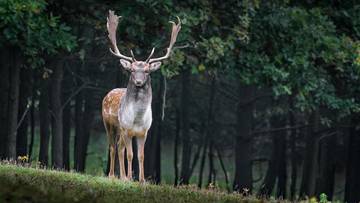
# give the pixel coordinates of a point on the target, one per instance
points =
(157, 171)
(282, 173)
(44, 114)
(352, 183)
(159, 130)
(22, 141)
(67, 117)
(32, 117)
(79, 131)
(153, 143)
(311, 154)
(186, 141)
(210, 131)
(211, 176)
(223, 168)
(327, 167)
(83, 130)
(294, 161)
(4, 96)
(13, 103)
(176, 144)
(57, 115)
(243, 145)
(66, 136)
(202, 163)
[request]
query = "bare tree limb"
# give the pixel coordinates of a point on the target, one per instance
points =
(23, 115)
(74, 94)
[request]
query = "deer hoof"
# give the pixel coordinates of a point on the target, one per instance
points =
(123, 178)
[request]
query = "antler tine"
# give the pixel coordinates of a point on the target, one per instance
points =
(112, 23)
(152, 52)
(175, 30)
(132, 55)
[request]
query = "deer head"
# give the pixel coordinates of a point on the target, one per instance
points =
(139, 70)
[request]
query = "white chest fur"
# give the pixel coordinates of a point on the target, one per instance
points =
(136, 116)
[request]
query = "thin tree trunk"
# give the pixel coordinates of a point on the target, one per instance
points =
(13, 103)
(32, 116)
(352, 184)
(282, 172)
(199, 148)
(223, 168)
(202, 164)
(82, 139)
(44, 117)
(79, 131)
(208, 134)
(67, 117)
(243, 153)
(157, 172)
(66, 136)
(162, 91)
(211, 176)
(4, 96)
(186, 141)
(153, 144)
(176, 144)
(57, 114)
(293, 152)
(269, 182)
(277, 163)
(21, 141)
(196, 158)
(327, 167)
(311, 154)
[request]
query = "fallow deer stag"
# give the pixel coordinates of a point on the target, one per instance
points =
(127, 111)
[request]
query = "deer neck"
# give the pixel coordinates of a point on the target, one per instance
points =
(138, 95)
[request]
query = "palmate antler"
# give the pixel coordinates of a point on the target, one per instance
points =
(112, 23)
(175, 30)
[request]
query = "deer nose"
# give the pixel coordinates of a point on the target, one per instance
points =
(137, 82)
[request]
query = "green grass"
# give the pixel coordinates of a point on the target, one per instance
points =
(23, 184)
(96, 159)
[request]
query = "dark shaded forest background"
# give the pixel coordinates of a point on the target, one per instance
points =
(258, 97)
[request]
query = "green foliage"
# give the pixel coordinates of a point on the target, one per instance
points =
(323, 198)
(299, 52)
(25, 24)
(37, 185)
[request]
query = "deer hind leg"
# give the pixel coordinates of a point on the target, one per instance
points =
(129, 154)
(121, 153)
(112, 145)
(140, 145)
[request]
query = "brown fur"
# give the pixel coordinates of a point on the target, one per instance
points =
(110, 108)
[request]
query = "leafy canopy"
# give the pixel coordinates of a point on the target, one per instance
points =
(25, 24)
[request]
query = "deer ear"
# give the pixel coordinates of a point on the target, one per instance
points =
(126, 64)
(155, 66)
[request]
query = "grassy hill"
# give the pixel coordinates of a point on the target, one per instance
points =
(23, 184)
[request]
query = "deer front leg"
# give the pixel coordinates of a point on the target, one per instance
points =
(121, 153)
(140, 145)
(129, 154)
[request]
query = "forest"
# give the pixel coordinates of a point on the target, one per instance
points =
(258, 97)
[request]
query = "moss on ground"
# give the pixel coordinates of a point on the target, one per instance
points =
(23, 184)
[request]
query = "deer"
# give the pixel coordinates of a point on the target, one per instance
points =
(126, 112)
